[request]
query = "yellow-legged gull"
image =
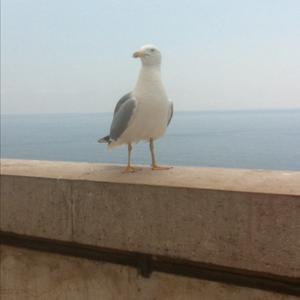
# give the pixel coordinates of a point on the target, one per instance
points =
(144, 113)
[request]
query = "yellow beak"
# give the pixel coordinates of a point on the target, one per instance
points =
(137, 54)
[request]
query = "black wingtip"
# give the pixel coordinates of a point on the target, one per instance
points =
(105, 139)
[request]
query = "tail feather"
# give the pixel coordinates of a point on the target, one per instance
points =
(105, 139)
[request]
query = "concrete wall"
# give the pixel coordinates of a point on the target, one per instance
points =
(34, 275)
(239, 219)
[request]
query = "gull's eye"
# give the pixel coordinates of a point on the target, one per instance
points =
(152, 50)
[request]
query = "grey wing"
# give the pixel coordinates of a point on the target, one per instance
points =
(170, 112)
(122, 115)
(121, 101)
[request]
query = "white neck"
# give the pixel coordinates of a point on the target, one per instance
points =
(149, 77)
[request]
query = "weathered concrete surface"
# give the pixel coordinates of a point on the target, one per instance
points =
(241, 180)
(38, 207)
(27, 275)
(234, 218)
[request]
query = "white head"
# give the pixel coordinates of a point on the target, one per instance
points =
(149, 55)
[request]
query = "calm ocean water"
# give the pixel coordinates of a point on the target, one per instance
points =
(255, 139)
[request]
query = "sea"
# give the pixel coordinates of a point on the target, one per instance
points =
(224, 139)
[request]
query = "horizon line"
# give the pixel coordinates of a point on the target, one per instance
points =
(177, 111)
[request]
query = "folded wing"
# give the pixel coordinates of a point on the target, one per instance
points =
(123, 113)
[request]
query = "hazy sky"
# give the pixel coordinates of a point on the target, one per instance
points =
(75, 56)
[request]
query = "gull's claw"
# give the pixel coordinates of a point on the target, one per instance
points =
(130, 169)
(159, 168)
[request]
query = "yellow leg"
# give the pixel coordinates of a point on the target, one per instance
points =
(154, 166)
(129, 168)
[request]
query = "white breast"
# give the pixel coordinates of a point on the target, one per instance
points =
(151, 115)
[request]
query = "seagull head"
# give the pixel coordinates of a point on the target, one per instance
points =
(149, 55)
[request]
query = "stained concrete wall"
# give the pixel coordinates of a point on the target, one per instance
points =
(27, 275)
(241, 219)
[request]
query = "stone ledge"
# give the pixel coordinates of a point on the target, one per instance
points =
(239, 180)
(250, 220)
